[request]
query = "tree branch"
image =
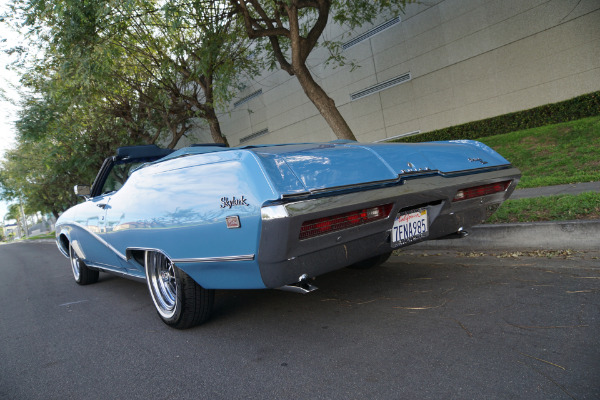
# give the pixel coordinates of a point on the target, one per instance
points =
(316, 31)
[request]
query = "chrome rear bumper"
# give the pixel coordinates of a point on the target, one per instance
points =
(282, 256)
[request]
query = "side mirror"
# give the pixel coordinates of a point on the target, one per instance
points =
(82, 190)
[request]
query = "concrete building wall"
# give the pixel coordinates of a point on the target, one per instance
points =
(467, 60)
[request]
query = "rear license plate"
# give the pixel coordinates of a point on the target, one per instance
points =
(410, 226)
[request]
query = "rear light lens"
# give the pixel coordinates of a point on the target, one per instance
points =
(321, 226)
(482, 190)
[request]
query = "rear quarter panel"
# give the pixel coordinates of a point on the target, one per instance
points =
(180, 207)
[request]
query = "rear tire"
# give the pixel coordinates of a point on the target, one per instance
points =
(180, 302)
(82, 273)
(371, 262)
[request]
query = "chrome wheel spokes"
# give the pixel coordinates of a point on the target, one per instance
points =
(162, 282)
(75, 264)
(179, 300)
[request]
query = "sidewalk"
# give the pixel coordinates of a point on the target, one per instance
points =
(573, 188)
(550, 235)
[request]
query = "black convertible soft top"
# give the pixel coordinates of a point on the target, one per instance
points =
(143, 151)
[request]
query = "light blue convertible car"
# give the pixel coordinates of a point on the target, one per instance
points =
(208, 217)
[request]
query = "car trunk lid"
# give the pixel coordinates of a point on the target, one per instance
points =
(312, 168)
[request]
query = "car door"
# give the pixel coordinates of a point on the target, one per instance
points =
(91, 219)
(117, 228)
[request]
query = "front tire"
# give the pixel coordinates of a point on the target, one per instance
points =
(82, 273)
(180, 302)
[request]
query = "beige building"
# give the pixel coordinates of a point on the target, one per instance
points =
(440, 64)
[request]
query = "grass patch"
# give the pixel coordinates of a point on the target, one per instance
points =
(555, 154)
(551, 208)
(49, 235)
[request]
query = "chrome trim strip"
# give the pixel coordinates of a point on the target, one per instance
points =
(247, 257)
(130, 249)
(98, 238)
(273, 212)
(476, 170)
(295, 195)
(119, 273)
(425, 172)
(355, 186)
(335, 189)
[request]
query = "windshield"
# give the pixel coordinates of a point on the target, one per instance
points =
(118, 176)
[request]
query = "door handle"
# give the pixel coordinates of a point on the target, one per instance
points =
(102, 205)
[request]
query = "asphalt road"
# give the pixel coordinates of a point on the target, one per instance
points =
(439, 326)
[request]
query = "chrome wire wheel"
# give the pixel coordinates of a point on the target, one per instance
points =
(82, 273)
(75, 266)
(179, 300)
(162, 282)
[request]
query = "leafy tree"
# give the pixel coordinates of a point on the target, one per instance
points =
(293, 29)
(107, 74)
(57, 147)
(156, 65)
(14, 212)
(193, 51)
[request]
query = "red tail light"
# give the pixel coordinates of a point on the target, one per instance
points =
(338, 222)
(478, 191)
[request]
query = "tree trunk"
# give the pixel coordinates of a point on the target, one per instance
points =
(176, 135)
(215, 127)
(268, 23)
(324, 104)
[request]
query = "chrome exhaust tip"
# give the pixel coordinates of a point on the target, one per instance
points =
(303, 286)
(462, 233)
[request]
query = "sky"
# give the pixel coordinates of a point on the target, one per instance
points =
(8, 112)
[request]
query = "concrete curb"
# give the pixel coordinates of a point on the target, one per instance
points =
(553, 235)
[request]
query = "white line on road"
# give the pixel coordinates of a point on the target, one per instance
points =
(73, 302)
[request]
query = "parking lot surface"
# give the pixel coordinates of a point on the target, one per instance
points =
(426, 325)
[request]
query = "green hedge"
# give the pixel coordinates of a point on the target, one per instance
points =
(584, 106)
